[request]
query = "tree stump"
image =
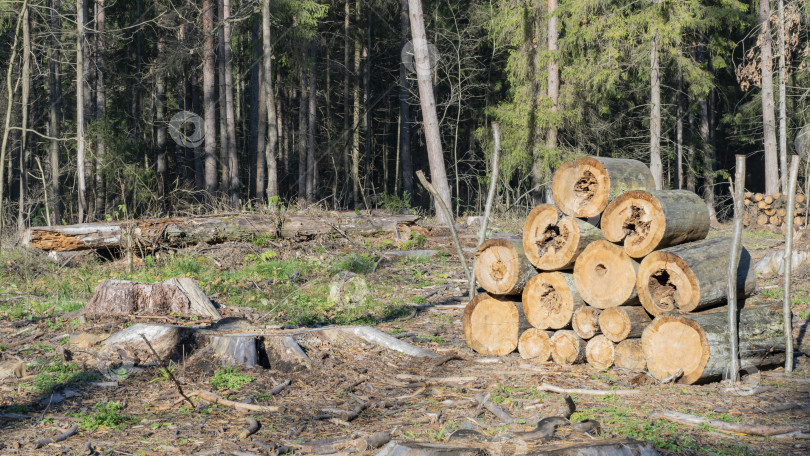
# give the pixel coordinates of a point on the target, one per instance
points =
(600, 352)
(492, 324)
(174, 296)
(567, 347)
(605, 276)
(553, 241)
(550, 299)
(630, 355)
(535, 344)
(620, 323)
(501, 266)
(585, 322)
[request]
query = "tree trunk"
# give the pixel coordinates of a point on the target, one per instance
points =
(620, 323)
(356, 190)
(25, 107)
(312, 128)
(553, 241)
(501, 267)
(234, 181)
(55, 109)
(257, 102)
(630, 355)
(101, 101)
(656, 168)
(210, 101)
(567, 348)
(583, 188)
(691, 277)
(438, 176)
(535, 344)
(650, 220)
(550, 300)
(783, 161)
(679, 101)
(271, 145)
(80, 107)
(404, 109)
(492, 324)
(224, 141)
(160, 120)
(600, 352)
(348, 175)
(585, 322)
(702, 350)
(124, 297)
(606, 276)
(772, 179)
(553, 76)
(303, 125)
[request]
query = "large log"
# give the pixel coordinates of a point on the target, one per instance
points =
(606, 276)
(630, 355)
(691, 277)
(535, 344)
(620, 323)
(585, 322)
(584, 188)
(699, 344)
(567, 347)
(175, 296)
(550, 299)
(501, 267)
(650, 220)
(600, 352)
(146, 235)
(492, 324)
(552, 240)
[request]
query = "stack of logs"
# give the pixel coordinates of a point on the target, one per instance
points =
(771, 210)
(616, 273)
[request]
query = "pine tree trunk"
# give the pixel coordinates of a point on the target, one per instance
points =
(55, 109)
(656, 168)
(234, 181)
(209, 101)
(348, 176)
(772, 179)
(312, 98)
(101, 100)
(679, 127)
(255, 185)
(303, 110)
(25, 107)
(356, 190)
(404, 114)
(783, 161)
(80, 107)
(224, 141)
(271, 145)
(553, 75)
(160, 120)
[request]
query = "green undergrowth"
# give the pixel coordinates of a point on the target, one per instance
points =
(105, 415)
(55, 374)
(229, 378)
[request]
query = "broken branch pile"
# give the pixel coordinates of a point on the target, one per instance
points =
(636, 285)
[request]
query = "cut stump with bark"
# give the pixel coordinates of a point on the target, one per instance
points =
(600, 352)
(605, 276)
(630, 355)
(535, 344)
(692, 277)
(585, 322)
(620, 323)
(567, 347)
(501, 266)
(174, 296)
(550, 299)
(583, 188)
(553, 241)
(645, 221)
(492, 324)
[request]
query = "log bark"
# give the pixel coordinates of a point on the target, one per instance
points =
(567, 348)
(630, 355)
(180, 232)
(550, 299)
(691, 277)
(585, 322)
(605, 276)
(699, 344)
(492, 324)
(645, 221)
(535, 344)
(620, 323)
(600, 352)
(584, 188)
(553, 241)
(174, 296)
(501, 267)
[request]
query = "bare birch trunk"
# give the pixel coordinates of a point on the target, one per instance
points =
(655, 116)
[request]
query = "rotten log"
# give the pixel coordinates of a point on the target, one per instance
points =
(174, 296)
(583, 188)
(501, 266)
(567, 347)
(645, 221)
(492, 324)
(630, 355)
(550, 299)
(535, 344)
(585, 322)
(553, 241)
(605, 276)
(620, 323)
(691, 277)
(600, 352)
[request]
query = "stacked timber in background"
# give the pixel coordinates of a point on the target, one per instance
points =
(616, 273)
(771, 210)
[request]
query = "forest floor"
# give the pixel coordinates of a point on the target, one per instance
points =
(280, 284)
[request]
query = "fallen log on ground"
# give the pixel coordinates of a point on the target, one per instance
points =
(175, 296)
(501, 266)
(148, 235)
(605, 276)
(553, 241)
(725, 426)
(550, 300)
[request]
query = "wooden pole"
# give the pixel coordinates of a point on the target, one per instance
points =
(493, 184)
(794, 174)
(733, 264)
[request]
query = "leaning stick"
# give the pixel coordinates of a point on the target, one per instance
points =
(63, 436)
(168, 372)
(493, 184)
(589, 392)
(794, 173)
(217, 399)
(737, 190)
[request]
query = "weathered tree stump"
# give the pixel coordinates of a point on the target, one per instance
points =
(585, 322)
(619, 323)
(605, 276)
(553, 241)
(600, 352)
(492, 324)
(501, 266)
(550, 299)
(123, 297)
(535, 344)
(567, 347)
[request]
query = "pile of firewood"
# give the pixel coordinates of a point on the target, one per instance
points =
(772, 210)
(616, 273)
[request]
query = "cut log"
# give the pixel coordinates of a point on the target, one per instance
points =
(584, 188)
(769, 212)
(585, 322)
(553, 241)
(762, 219)
(630, 355)
(747, 202)
(781, 212)
(567, 347)
(758, 196)
(501, 267)
(147, 235)
(535, 344)
(799, 198)
(550, 299)
(600, 352)
(749, 195)
(691, 277)
(492, 324)
(775, 220)
(174, 296)
(763, 205)
(620, 323)
(605, 276)
(699, 344)
(768, 199)
(650, 220)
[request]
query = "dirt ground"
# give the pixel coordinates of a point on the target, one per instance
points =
(411, 398)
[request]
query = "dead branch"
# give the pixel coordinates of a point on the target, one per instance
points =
(279, 388)
(725, 426)
(253, 427)
(443, 359)
(589, 392)
(216, 399)
(63, 436)
(494, 409)
(168, 372)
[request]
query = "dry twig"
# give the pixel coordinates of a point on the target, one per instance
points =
(590, 392)
(168, 372)
(63, 436)
(216, 399)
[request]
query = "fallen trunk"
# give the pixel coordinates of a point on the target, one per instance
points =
(630, 355)
(650, 220)
(600, 352)
(583, 188)
(553, 241)
(691, 277)
(606, 276)
(492, 324)
(175, 296)
(535, 344)
(619, 323)
(567, 348)
(148, 235)
(585, 322)
(501, 267)
(550, 299)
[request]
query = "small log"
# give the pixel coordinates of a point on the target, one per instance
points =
(775, 220)
(725, 426)
(770, 212)
(650, 220)
(169, 341)
(585, 322)
(763, 205)
(691, 277)
(762, 220)
(699, 344)
(492, 324)
(59, 438)
(768, 199)
(494, 409)
(620, 323)
(781, 212)
(501, 267)
(747, 202)
(535, 344)
(749, 195)
(630, 355)
(799, 198)
(174, 296)
(550, 299)
(586, 392)
(567, 348)
(605, 276)
(553, 241)
(600, 352)
(216, 399)
(584, 188)
(377, 337)
(252, 428)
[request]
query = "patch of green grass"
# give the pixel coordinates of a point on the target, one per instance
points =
(773, 293)
(804, 314)
(416, 241)
(433, 338)
(57, 373)
(356, 263)
(620, 420)
(229, 378)
(107, 415)
(722, 417)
